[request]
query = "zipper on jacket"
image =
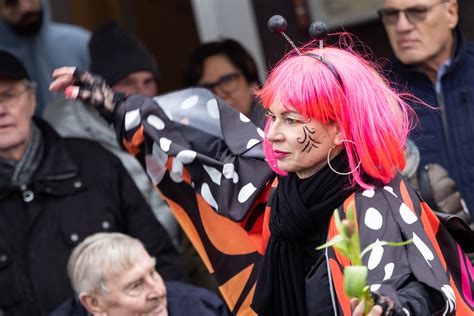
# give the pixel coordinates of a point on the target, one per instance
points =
(465, 102)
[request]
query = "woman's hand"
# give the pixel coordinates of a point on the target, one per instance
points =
(85, 86)
(383, 306)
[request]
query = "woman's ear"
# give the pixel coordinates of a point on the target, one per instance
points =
(338, 138)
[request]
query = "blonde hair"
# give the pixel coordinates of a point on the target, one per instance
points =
(99, 256)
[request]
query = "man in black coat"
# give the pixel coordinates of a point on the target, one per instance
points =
(54, 192)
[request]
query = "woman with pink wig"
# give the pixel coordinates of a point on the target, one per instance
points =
(335, 137)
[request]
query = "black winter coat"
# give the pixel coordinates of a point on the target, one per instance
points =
(79, 189)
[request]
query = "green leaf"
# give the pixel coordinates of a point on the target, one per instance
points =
(336, 239)
(337, 219)
(350, 212)
(383, 243)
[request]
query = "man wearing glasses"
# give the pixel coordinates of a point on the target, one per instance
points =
(436, 63)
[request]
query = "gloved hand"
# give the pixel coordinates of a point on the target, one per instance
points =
(85, 86)
(384, 306)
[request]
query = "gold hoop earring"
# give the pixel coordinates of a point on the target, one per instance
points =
(335, 171)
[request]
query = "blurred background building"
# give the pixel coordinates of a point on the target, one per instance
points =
(171, 29)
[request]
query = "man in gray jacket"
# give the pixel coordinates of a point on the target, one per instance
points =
(128, 67)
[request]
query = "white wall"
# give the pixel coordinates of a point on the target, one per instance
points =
(218, 19)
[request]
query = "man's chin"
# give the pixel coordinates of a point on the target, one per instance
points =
(28, 26)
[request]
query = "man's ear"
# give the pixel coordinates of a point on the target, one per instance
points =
(453, 13)
(91, 303)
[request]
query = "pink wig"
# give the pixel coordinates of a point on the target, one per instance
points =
(368, 111)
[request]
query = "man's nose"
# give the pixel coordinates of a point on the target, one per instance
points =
(403, 24)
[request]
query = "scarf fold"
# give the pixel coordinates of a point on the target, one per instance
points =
(15, 173)
(300, 212)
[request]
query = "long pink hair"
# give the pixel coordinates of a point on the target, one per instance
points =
(369, 112)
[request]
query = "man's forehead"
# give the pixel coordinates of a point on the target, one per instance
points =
(405, 3)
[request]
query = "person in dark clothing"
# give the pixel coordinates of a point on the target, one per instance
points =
(113, 274)
(54, 192)
(434, 62)
(228, 70)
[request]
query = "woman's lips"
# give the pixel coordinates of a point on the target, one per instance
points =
(280, 154)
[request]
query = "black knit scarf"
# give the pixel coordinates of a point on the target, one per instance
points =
(301, 209)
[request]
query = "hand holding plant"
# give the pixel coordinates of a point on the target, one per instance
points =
(347, 243)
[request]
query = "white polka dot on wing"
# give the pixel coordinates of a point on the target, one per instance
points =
(369, 193)
(449, 293)
(214, 174)
(407, 214)
(389, 267)
(245, 192)
(207, 195)
(190, 102)
(389, 189)
(244, 118)
(228, 170)
(186, 156)
(252, 143)
(373, 219)
(213, 109)
(235, 178)
(423, 248)
(165, 144)
(375, 256)
(132, 119)
(375, 287)
(176, 173)
(406, 311)
(156, 122)
(260, 132)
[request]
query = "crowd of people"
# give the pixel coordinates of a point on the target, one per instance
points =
(212, 200)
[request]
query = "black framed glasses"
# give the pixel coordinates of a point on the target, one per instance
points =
(416, 14)
(227, 83)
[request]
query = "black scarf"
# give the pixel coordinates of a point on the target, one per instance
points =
(301, 210)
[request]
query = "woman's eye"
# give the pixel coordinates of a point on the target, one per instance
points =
(292, 120)
(270, 116)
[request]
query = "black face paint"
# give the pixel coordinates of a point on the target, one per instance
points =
(308, 141)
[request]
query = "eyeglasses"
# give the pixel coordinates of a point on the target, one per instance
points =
(9, 98)
(414, 15)
(226, 84)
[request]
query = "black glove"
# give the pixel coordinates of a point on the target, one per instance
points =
(95, 91)
(388, 305)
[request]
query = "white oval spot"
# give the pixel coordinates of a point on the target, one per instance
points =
(245, 193)
(252, 143)
(165, 144)
(407, 214)
(389, 189)
(207, 195)
(375, 256)
(190, 102)
(373, 219)
(186, 156)
(228, 170)
(214, 174)
(369, 193)
(375, 287)
(213, 109)
(389, 267)
(244, 118)
(156, 122)
(132, 119)
(235, 179)
(423, 248)
(260, 132)
(176, 173)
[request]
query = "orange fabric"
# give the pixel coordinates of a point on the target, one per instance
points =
(133, 146)
(338, 282)
(234, 287)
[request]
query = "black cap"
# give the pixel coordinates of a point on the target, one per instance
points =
(116, 53)
(11, 67)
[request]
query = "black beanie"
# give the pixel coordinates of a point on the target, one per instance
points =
(116, 53)
(11, 67)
